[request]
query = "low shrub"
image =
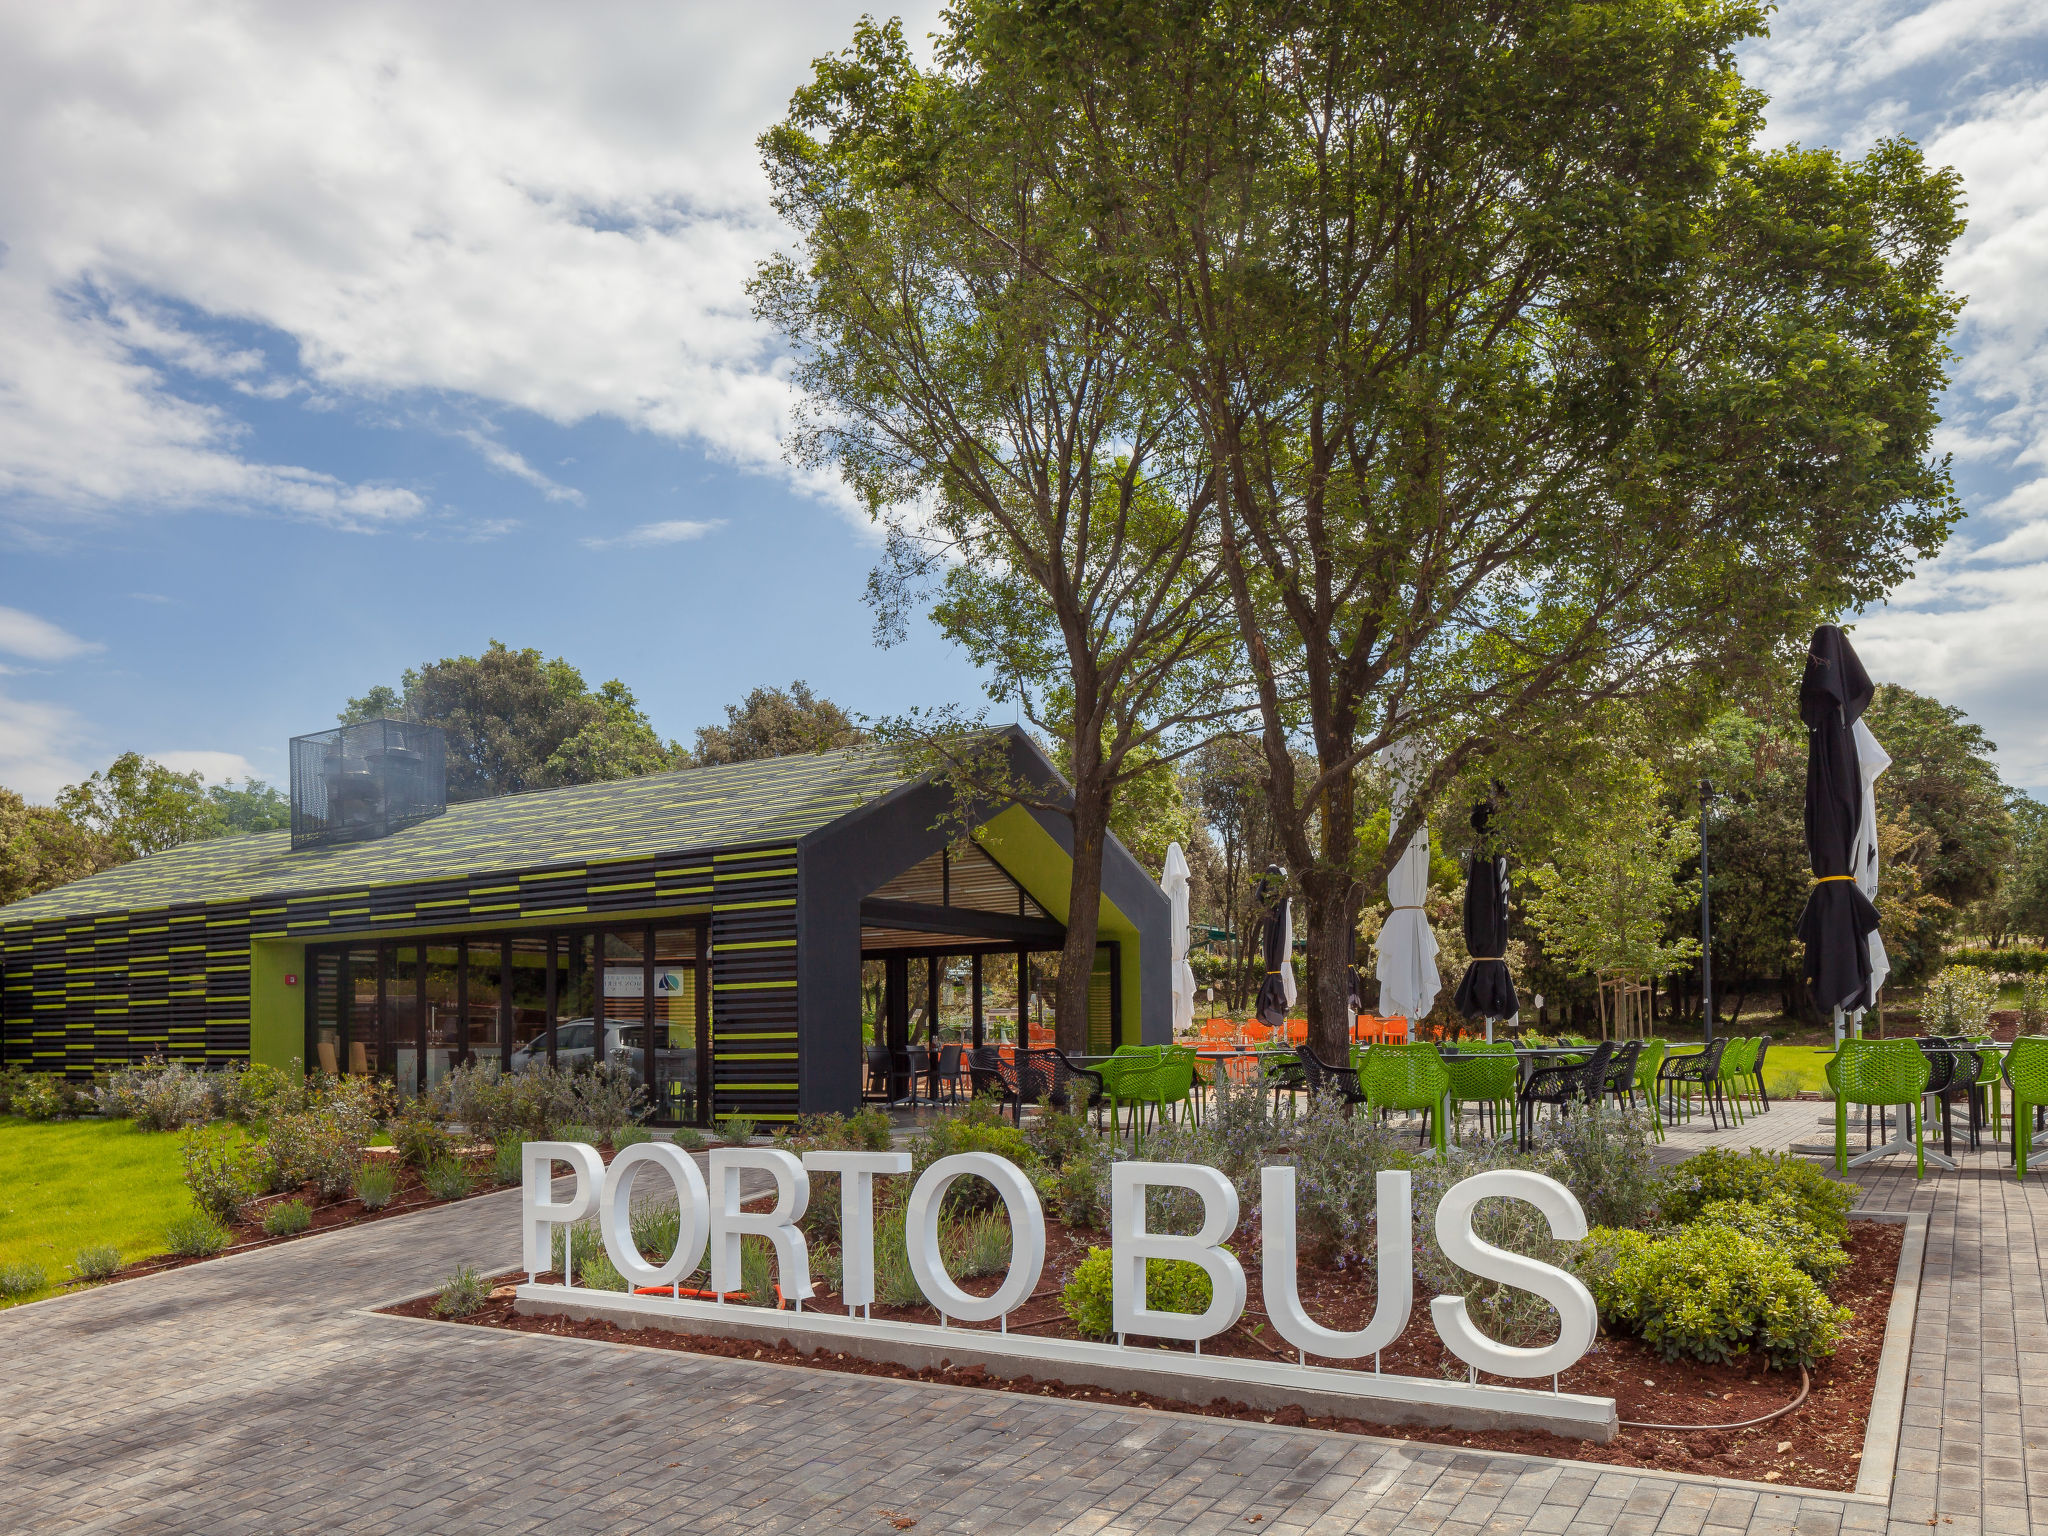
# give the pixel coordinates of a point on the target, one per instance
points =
(508, 1160)
(160, 1095)
(1171, 1285)
(1078, 1192)
(195, 1235)
(1057, 1137)
(97, 1261)
(44, 1096)
(1752, 1177)
(419, 1136)
(1959, 1002)
(1609, 1162)
(737, 1129)
(309, 1147)
(606, 1096)
(583, 1247)
(895, 1284)
(447, 1179)
(656, 1228)
(689, 1138)
(220, 1171)
(587, 1134)
(630, 1136)
(2033, 1004)
(375, 1184)
(1776, 1220)
(21, 1279)
(252, 1095)
(287, 1218)
(1710, 1293)
(461, 1294)
(971, 1134)
(1787, 1085)
(1337, 1163)
(867, 1131)
(980, 1245)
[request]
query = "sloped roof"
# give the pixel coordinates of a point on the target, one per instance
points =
(692, 810)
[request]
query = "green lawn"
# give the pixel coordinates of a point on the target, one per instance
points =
(71, 1183)
(1805, 1062)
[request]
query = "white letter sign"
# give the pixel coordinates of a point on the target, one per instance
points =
(729, 1223)
(857, 1172)
(1027, 1236)
(1132, 1245)
(1578, 1317)
(538, 1208)
(1395, 1272)
(615, 1213)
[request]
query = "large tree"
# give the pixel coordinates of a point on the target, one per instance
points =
(1034, 471)
(515, 720)
(1944, 785)
(772, 723)
(1527, 379)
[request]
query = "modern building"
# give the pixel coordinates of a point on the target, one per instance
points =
(718, 928)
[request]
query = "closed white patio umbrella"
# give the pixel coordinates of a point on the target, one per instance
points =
(1871, 762)
(1174, 881)
(1406, 962)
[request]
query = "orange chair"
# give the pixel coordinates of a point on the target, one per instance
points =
(1297, 1031)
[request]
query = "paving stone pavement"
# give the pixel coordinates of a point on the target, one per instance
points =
(256, 1394)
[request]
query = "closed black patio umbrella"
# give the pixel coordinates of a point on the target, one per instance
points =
(1487, 991)
(1839, 919)
(1276, 943)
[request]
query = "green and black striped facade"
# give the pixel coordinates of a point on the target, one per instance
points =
(177, 954)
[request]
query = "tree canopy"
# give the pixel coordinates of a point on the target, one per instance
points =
(772, 722)
(515, 721)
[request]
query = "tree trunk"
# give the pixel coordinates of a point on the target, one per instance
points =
(1328, 892)
(1084, 906)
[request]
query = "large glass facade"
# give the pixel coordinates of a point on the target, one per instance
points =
(411, 1010)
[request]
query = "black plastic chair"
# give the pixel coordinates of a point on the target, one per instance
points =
(985, 1077)
(1282, 1074)
(877, 1090)
(946, 1076)
(1952, 1074)
(1563, 1086)
(917, 1067)
(1620, 1080)
(1756, 1068)
(1076, 1090)
(1321, 1078)
(1701, 1069)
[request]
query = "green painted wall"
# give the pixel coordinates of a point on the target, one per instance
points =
(1016, 841)
(277, 1011)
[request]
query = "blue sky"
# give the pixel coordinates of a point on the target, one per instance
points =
(334, 340)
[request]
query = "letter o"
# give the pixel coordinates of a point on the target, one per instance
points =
(615, 1213)
(1027, 1236)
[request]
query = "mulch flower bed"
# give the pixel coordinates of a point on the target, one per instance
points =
(1817, 1445)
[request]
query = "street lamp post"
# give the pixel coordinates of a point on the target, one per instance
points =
(1706, 920)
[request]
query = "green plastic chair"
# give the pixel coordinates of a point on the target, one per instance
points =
(1174, 1082)
(1485, 1075)
(1407, 1077)
(2026, 1074)
(1990, 1080)
(1646, 1080)
(1127, 1079)
(1879, 1072)
(1736, 1063)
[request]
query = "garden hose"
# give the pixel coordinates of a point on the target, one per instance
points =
(1805, 1386)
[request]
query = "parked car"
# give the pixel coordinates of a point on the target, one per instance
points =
(576, 1048)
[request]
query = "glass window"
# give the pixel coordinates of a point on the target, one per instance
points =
(481, 997)
(324, 1045)
(403, 1014)
(360, 986)
(529, 1000)
(444, 1014)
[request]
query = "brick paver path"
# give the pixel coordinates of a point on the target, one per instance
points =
(255, 1394)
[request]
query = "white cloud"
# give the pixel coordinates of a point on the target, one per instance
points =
(23, 634)
(39, 744)
(1962, 78)
(211, 766)
(648, 535)
(523, 204)
(504, 459)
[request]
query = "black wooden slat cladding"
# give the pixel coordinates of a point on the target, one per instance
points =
(753, 986)
(80, 995)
